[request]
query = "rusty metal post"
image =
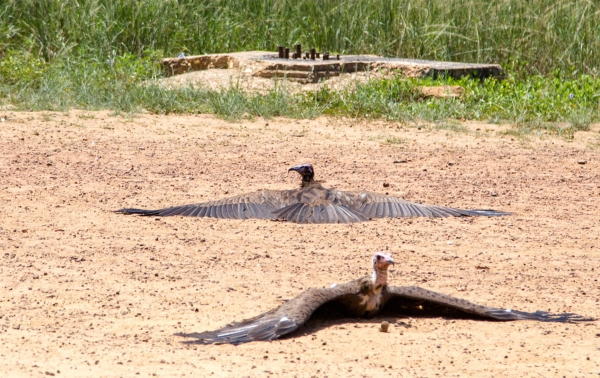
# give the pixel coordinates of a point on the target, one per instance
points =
(298, 50)
(337, 56)
(326, 55)
(280, 50)
(286, 54)
(313, 52)
(318, 55)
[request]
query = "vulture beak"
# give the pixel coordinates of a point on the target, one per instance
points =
(297, 168)
(389, 259)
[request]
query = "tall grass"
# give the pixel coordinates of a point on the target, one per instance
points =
(525, 36)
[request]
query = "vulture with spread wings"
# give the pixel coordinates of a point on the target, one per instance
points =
(364, 297)
(311, 203)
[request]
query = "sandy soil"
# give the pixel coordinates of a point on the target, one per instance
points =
(220, 79)
(86, 292)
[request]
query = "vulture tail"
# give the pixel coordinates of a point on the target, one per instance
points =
(301, 213)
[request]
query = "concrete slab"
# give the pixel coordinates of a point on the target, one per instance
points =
(267, 65)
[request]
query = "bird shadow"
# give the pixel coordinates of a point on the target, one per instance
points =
(395, 310)
(333, 314)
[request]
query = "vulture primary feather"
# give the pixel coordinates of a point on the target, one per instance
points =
(311, 203)
(364, 297)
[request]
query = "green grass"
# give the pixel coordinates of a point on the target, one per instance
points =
(394, 140)
(103, 54)
(524, 36)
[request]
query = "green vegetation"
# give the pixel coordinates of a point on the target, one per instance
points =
(60, 54)
(534, 36)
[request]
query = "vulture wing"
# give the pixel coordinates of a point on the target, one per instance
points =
(427, 296)
(311, 204)
(376, 205)
(259, 204)
(279, 321)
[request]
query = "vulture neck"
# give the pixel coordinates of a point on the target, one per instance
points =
(307, 181)
(379, 276)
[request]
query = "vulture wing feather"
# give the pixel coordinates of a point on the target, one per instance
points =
(413, 292)
(277, 322)
(259, 204)
(376, 205)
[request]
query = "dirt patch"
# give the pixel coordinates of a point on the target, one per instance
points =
(91, 293)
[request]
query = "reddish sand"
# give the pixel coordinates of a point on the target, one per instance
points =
(86, 292)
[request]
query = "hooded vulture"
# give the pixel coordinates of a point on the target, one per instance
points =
(311, 203)
(363, 298)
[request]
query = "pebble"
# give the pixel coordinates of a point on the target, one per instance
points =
(385, 326)
(494, 194)
(399, 161)
(582, 162)
(386, 184)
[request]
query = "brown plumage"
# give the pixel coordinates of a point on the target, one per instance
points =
(311, 203)
(364, 297)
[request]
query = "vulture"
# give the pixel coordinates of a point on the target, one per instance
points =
(362, 298)
(311, 203)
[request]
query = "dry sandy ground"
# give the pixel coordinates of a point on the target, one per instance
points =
(219, 79)
(86, 292)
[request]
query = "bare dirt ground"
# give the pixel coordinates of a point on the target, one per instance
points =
(86, 292)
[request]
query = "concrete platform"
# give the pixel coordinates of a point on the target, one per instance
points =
(268, 64)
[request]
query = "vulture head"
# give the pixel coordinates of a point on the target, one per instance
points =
(381, 263)
(306, 171)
